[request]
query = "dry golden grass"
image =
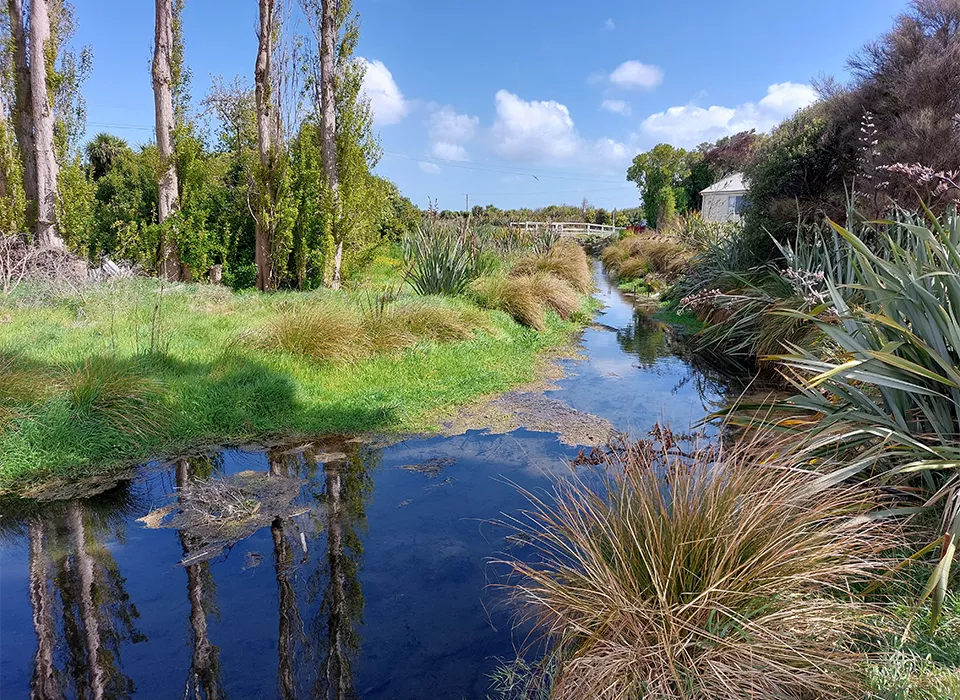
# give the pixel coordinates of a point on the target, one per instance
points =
(517, 296)
(636, 256)
(323, 333)
(386, 335)
(703, 576)
(567, 261)
(665, 257)
(632, 269)
(438, 323)
(339, 335)
(555, 293)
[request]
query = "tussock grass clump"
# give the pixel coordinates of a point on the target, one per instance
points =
(340, 335)
(118, 393)
(515, 296)
(21, 383)
(323, 333)
(633, 268)
(637, 256)
(407, 324)
(555, 293)
(707, 575)
(566, 261)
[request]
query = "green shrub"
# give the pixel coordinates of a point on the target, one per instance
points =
(883, 389)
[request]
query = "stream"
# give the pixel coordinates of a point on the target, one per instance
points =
(375, 582)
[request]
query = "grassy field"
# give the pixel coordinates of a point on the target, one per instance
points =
(91, 382)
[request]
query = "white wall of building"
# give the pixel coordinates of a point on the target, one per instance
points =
(721, 206)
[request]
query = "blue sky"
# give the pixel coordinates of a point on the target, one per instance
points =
(519, 103)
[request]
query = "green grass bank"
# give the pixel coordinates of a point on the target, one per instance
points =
(94, 381)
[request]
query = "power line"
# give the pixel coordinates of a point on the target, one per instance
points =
(625, 190)
(535, 173)
(105, 125)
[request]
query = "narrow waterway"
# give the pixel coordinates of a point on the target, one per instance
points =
(374, 583)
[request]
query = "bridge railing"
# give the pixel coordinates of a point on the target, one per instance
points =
(568, 228)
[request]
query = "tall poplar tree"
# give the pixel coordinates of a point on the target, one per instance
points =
(163, 86)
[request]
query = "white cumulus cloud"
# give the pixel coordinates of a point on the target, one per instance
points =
(533, 131)
(386, 100)
(689, 125)
(617, 107)
(449, 151)
(634, 75)
(447, 125)
(787, 98)
(431, 168)
(543, 131)
(448, 131)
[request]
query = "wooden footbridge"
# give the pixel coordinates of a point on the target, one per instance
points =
(569, 228)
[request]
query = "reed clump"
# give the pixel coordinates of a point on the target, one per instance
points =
(679, 573)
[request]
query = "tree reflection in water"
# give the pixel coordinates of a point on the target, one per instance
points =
(83, 616)
(203, 678)
(81, 612)
(348, 486)
(650, 341)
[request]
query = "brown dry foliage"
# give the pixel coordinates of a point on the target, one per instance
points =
(516, 296)
(636, 256)
(567, 261)
(555, 293)
(699, 574)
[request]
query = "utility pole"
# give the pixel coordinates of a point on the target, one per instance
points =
(468, 201)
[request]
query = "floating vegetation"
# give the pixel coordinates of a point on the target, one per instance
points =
(214, 514)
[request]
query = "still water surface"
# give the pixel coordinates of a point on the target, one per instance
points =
(381, 589)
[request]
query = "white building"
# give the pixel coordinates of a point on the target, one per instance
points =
(725, 200)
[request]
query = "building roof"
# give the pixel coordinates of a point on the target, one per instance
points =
(731, 183)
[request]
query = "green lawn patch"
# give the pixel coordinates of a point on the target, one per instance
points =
(138, 369)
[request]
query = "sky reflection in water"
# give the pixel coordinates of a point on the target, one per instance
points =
(393, 596)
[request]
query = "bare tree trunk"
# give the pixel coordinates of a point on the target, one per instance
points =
(339, 682)
(46, 158)
(163, 102)
(88, 611)
(23, 108)
(203, 675)
(328, 125)
(44, 685)
(266, 135)
(6, 157)
(283, 560)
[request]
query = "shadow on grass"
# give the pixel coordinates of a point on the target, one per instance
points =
(106, 413)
